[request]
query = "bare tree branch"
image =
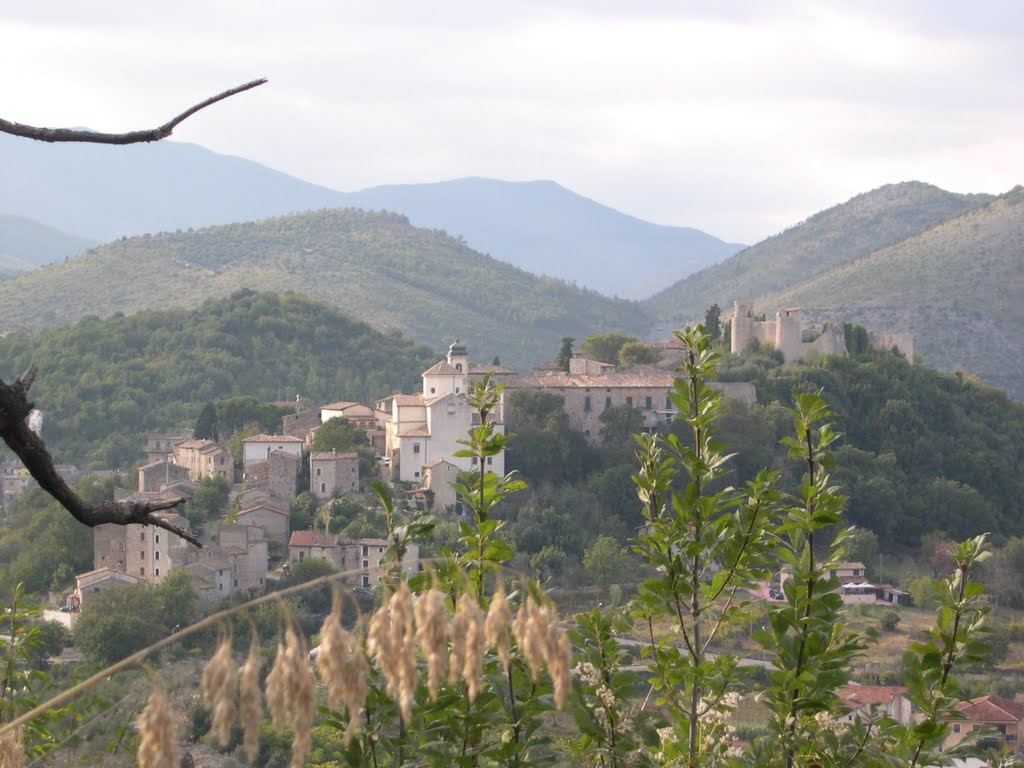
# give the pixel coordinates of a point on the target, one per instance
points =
(132, 137)
(14, 410)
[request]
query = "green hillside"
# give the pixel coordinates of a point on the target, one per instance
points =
(825, 241)
(958, 287)
(103, 384)
(374, 266)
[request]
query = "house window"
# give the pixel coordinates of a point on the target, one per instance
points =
(490, 460)
(668, 402)
(319, 471)
(142, 535)
(629, 401)
(608, 402)
(142, 570)
(142, 555)
(586, 403)
(120, 546)
(156, 555)
(433, 390)
(156, 537)
(956, 727)
(323, 487)
(366, 563)
(156, 572)
(415, 447)
(366, 581)
(380, 550)
(366, 550)
(474, 461)
(647, 402)
(415, 474)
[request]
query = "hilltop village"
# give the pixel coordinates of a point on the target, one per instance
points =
(414, 439)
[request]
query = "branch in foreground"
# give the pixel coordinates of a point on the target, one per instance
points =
(14, 410)
(131, 137)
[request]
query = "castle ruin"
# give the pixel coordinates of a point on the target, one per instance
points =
(785, 333)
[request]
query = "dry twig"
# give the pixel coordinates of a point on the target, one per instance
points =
(131, 137)
(14, 410)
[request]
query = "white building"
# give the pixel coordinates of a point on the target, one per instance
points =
(426, 427)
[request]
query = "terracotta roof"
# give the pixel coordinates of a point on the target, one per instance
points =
(416, 432)
(856, 565)
(992, 709)
(437, 462)
(273, 439)
(443, 368)
(100, 574)
(341, 405)
(270, 504)
(331, 455)
(313, 539)
(863, 695)
(480, 369)
(637, 376)
(210, 447)
(408, 399)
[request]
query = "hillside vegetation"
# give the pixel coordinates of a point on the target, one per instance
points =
(958, 287)
(827, 240)
(374, 266)
(103, 384)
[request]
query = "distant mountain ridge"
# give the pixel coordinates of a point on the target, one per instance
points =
(104, 193)
(374, 266)
(827, 240)
(26, 244)
(548, 230)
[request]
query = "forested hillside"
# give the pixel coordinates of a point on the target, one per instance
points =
(827, 240)
(103, 384)
(374, 266)
(922, 451)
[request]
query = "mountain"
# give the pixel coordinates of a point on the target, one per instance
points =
(103, 384)
(105, 192)
(27, 244)
(548, 230)
(374, 266)
(958, 287)
(827, 240)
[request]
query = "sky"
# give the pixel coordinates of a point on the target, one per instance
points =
(738, 118)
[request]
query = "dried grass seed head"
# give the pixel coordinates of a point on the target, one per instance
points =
(499, 624)
(432, 636)
(219, 688)
(158, 743)
(250, 701)
(276, 693)
(11, 753)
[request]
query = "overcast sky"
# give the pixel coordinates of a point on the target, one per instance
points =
(738, 118)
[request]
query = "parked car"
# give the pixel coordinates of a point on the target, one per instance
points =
(774, 594)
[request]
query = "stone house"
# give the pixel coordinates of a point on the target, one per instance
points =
(299, 424)
(160, 447)
(156, 475)
(439, 476)
(428, 425)
(331, 471)
(1001, 715)
(865, 702)
(204, 458)
(142, 550)
(246, 547)
(362, 555)
(271, 514)
(590, 387)
(371, 421)
(88, 584)
(213, 578)
(327, 546)
(259, 447)
(278, 474)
